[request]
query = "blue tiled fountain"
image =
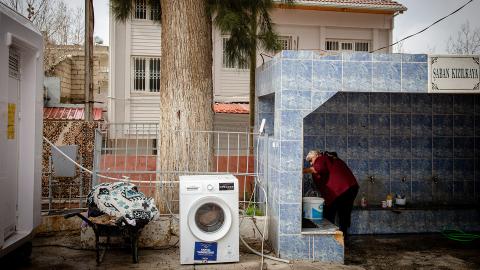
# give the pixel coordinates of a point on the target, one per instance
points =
(374, 110)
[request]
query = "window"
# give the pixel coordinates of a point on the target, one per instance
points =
(331, 45)
(230, 64)
(361, 46)
(146, 74)
(347, 45)
(285, 42)
(154, 64)
(142, 10)
(155, 13)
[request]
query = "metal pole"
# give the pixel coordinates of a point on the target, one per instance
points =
(50, 193)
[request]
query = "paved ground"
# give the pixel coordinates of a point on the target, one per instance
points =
(364, 252)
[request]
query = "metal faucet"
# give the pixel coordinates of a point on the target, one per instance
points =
(372, 179)
(435, 179)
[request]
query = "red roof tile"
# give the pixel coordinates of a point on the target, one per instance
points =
(360, 4)
(65, 113)
(231, 108)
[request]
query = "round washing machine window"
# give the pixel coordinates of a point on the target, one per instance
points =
(209, 217)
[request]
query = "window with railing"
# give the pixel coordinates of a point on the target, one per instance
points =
(155, 13)
(285, 42)
(145, 74)
(347, 45)
(140, 9)
(144, 11)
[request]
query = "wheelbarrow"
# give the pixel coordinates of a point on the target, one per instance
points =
(108, 227)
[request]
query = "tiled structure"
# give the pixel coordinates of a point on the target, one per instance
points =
(374, 111)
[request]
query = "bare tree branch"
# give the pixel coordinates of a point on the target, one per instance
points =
(466, 41)
(59, 23)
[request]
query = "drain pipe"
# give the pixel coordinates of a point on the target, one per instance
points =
(261, 254)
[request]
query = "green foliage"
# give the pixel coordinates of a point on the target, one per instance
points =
(122, 9)
(253, 210)
(249, 25)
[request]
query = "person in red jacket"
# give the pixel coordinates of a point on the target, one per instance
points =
(336, 184)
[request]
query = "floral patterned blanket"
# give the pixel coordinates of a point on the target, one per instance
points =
(120, 199)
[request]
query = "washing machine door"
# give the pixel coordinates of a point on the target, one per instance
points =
(209, 218)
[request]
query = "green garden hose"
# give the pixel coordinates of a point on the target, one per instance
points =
(460, 236)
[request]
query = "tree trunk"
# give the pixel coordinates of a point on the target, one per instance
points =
(88, 86)
(253, 66)
(185, 93)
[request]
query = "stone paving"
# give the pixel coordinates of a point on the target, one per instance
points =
(362, 252)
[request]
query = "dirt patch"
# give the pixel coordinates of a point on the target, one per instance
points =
(430, 251)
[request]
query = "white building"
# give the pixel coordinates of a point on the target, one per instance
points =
(323, 25)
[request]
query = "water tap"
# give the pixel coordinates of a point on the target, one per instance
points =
(372, 179)
(435, 179)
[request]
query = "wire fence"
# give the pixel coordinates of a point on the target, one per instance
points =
(131, 152)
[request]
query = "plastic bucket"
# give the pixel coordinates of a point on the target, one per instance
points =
(313, 208)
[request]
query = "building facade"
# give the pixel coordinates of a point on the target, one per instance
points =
(65, 75)
(323, 26)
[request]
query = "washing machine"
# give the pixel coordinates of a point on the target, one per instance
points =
(209, 221)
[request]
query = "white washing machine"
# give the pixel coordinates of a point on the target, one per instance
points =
(209, 222)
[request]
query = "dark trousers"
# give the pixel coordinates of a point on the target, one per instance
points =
(342, 206)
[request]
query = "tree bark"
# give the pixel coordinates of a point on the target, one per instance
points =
(186, 92)
(88, 86)
(253, 66)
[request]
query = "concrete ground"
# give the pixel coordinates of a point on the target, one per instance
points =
(363, 252)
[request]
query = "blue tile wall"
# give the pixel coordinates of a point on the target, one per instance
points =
(291, 222)
(357, 76)
(374, 111)
(403, 140)
(386, 76)
(296, 75)
(327, 75)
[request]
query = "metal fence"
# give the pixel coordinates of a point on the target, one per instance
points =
(130, 152)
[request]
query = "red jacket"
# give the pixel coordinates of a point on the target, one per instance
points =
(333, 177)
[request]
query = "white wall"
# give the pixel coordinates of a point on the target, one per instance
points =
(311, 29)
(146, 38)
(18, 31)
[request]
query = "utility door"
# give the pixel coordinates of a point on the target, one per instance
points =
(13, 113)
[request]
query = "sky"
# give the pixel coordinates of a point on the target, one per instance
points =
(420, 14)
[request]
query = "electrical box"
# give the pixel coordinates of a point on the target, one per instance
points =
(21, 110)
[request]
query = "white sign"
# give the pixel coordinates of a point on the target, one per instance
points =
(454, 74)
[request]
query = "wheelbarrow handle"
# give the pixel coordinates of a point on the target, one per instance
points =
(78, 214)
(71, 214)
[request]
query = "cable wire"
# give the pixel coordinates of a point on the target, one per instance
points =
(426, 28)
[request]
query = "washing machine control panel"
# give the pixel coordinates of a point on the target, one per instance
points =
(226, 186)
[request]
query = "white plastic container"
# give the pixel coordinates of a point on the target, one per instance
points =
(400, 201)
(313, 209)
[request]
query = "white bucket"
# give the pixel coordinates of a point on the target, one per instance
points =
(313, 208)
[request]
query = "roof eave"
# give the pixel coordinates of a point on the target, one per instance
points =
(346, 6)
